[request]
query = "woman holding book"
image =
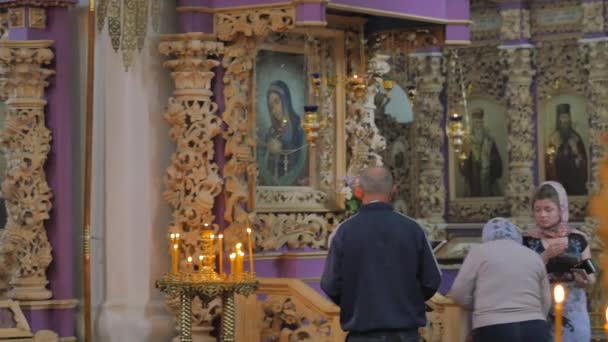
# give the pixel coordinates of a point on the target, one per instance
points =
(562, 248)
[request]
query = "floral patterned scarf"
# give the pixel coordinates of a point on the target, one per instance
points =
(562, 229)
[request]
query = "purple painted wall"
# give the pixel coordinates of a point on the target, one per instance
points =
(310, 12)
(435, 10)
(58, 167)
(194, 22)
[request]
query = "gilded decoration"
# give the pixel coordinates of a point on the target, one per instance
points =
(287, 320)
(486, 24)
(16, 17)
(37, 18)
(593, 16)
(560, 71)
(595, 63)
(322, 163)
(25, 251)
(258, 23)
(556, 17)
(363, 140)
(240, 170)
(483, 79)
(192, 180)
(519, 69)
(128, 24)
(511, 24)
(294, 230)
(430, 137)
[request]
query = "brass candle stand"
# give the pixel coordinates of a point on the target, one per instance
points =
(190, 285)
(207, 284)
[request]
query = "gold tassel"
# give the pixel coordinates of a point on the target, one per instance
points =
(114, 19)
(155, 13)
(102, 11)
(142, 23)
(129, 34)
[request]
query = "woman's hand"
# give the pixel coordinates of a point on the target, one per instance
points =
(554, 249)
(581, 280)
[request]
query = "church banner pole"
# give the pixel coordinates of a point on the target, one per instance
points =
(88, 172)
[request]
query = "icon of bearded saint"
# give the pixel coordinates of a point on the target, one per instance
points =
(568, 162)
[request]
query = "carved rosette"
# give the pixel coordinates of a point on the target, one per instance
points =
(240, 169)
(596, 64)
(520, 122)
(25, 252)
(430, 137)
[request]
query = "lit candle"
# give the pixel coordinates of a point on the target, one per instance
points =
(239, 262)
(189, 263)
(200, 263)
(174, 259)
(559, 295)
(220, 248)
(250, 250)
(232, 260)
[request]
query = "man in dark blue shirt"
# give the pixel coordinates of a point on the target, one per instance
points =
(380, 268)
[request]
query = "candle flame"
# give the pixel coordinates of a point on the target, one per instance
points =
(206, 224)
(189, 259)
(233, 256)
(241, 253)
(175, 246)
(200, 257)
(221, 236)
(177, 235)
(559, 294)
(248, 230)
(239, 245)
(172, 236)
(212, 236)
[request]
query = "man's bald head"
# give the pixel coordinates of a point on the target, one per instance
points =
(376, 181)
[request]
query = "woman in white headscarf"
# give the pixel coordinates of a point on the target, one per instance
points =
(506, 286)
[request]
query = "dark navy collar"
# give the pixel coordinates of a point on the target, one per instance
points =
(377, 206)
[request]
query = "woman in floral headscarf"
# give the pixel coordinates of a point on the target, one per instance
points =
(509, 297)
(561, 247)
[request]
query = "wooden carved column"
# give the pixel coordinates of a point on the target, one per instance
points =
(596, 90)
(596, 64)
(192, 178)
(25, 252)
(520, 125)
(430, 141)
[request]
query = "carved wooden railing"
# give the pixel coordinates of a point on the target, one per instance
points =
(448, 322)
(287, 309)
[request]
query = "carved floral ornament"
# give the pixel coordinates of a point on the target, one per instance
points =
(25, 252)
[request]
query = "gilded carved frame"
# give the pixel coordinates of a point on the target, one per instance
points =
(560, 73)
(327, 164)
(480, 84)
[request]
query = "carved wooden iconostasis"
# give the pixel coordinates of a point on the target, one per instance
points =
(531, 76)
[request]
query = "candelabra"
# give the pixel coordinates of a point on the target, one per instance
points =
(207, 283)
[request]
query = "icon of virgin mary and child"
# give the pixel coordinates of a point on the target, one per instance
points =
(282, 153)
